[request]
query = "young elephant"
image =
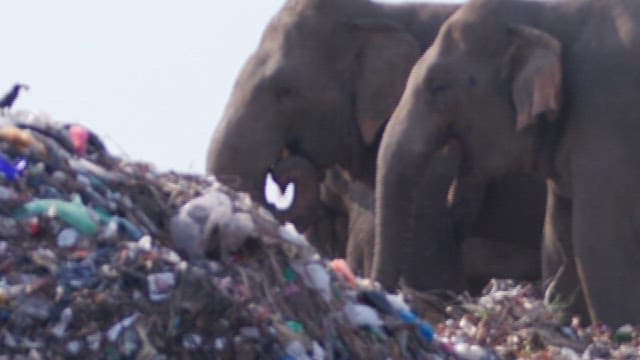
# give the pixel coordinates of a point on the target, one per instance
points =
(551, 87)
(298, 172)
(348, 233)
(314, 86)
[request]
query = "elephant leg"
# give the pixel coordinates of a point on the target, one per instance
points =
(355, 255)
(367, 264)
(355, 250)
(329, 232)
(361, 242)
(606, 247)
(558, 263)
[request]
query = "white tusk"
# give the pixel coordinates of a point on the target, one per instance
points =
(271, 190)
(281, 201)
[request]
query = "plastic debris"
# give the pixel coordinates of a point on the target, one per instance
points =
(79, 137)
(295, 350)
(316, 277)
(191, 341)
(114, 332)
(11, 170)
(73, 213)
(160, 285)
(295, 326)
(340, 266)
(623, 334)
(470, 352)
(194, 225)
(67, 237)
(237, 230)
(362, 315)
(21, 140)
(60, 329)
(289, 233)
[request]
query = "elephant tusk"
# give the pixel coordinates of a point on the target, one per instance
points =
(281, 200)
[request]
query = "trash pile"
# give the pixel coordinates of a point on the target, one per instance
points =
(104, 258)
(513, 321)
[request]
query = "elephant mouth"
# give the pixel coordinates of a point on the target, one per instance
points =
(291, 190)
(281, 198)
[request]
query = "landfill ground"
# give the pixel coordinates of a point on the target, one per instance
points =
(102, 258)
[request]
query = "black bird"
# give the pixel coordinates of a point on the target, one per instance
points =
(7, 101)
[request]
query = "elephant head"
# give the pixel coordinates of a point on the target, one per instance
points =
(322, 84)
(490, 87)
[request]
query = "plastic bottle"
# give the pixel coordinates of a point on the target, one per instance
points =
(73, 213)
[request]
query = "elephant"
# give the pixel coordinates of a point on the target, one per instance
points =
(322, 85)
(546, 88)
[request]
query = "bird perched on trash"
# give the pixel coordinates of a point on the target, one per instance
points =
(7, 101)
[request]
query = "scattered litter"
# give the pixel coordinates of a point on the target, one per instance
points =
(362, 315)
(67, 238)
(160, 285)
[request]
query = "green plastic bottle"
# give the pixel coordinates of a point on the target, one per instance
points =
(73, 213)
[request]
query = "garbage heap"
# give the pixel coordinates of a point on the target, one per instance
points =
(104, 258)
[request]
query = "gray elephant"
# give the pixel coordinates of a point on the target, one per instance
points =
(321, 85)
(550, 87)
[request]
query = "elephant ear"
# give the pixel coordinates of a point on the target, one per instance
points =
(384, 62)
(534, 65)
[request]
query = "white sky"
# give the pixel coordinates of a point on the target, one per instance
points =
(150, 77)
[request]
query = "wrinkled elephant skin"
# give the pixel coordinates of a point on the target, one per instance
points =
(546, 87)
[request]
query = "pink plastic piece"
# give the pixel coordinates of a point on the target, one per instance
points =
(340, 267)
(79, 137)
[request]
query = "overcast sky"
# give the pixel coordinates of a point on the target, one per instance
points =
(150, 77)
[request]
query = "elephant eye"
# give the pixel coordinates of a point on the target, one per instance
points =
(284, 93)
(437, 90)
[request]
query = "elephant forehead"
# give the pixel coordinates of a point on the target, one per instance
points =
(464, 35)
(297, 24)
(311, 32)
(302, 43)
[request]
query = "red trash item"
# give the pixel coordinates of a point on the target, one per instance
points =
(340, 267)
(79, 137)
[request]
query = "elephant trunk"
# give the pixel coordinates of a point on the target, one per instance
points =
(244, 146)
(414, 231)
